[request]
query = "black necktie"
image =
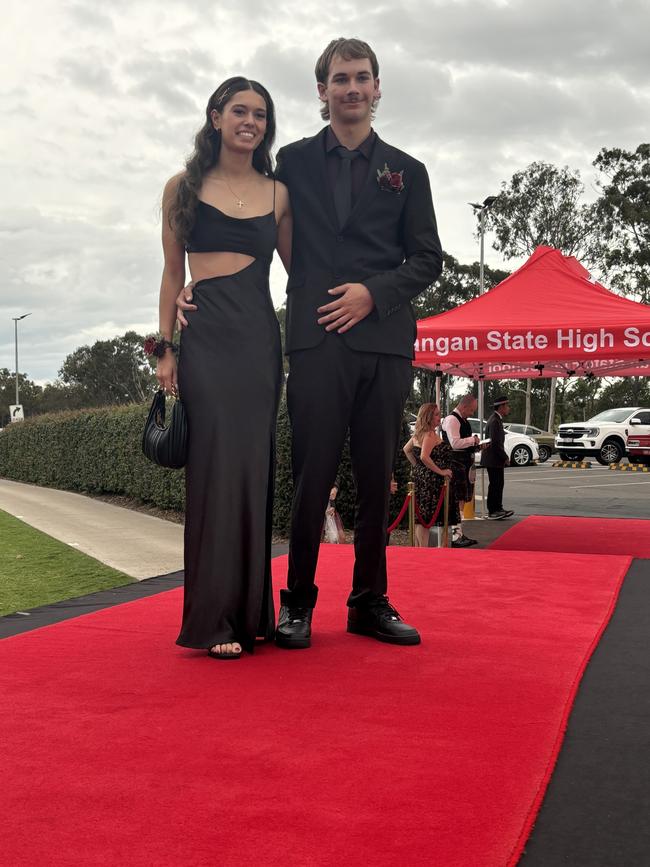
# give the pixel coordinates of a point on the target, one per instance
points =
(343, 185)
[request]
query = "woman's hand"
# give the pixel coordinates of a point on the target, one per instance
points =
(184, 302)
(446, 474)
(166, 372)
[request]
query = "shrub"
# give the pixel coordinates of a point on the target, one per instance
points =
(98, 451)
(95, 451)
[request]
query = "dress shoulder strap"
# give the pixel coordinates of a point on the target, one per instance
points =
(274, 194)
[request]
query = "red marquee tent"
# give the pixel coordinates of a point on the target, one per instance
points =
(548, 318)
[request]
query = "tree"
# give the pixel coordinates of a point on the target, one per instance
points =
(624, 214)
(577, 398)
(29, 394)
(630, 391)
(457, 284)
(57, 396)
(541, 205)
(110, 371)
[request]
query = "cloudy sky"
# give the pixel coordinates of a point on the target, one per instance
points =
(100, 104)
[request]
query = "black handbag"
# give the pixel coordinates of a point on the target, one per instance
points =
(165, 446)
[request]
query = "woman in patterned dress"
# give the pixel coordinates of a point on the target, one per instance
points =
(433, 464)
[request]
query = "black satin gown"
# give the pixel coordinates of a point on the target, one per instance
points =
(229, 376)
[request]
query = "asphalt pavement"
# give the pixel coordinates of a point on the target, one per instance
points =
(143, 546)
(543, 489)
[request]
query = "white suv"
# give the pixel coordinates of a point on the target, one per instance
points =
(521, 449)
(604, 436)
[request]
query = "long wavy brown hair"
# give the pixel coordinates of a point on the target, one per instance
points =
(424, 421)
(205, 156)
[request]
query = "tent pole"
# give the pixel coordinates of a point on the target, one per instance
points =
(481, 411)
(481, 395)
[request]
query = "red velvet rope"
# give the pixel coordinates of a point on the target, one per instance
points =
(436, 513)
(398, 519)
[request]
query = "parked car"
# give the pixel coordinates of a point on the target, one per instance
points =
(545, 439)
(604, 436)
(638, 439)
(522, 450)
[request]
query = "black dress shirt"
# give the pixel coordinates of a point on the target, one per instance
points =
(359, 167)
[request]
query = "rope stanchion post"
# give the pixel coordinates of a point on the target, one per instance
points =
(445, 530)
(411, 496)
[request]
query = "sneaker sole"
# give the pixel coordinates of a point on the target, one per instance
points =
(293, 643)
(382, 636)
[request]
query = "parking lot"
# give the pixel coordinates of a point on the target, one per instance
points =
(597, 492)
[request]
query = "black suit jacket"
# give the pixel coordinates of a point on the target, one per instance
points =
(494, 455)
(389, 243)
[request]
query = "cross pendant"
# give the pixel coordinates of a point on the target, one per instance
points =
(240, 204)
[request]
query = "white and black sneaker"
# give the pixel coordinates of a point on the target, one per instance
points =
(499, 515)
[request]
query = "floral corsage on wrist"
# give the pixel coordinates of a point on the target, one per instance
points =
(390, 182)
(156, 344)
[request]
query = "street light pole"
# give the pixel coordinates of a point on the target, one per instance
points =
(16, 321)
(481, 209)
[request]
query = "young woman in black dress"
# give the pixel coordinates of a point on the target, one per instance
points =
(229, 215)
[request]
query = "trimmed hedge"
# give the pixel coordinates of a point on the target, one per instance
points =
(98, 451)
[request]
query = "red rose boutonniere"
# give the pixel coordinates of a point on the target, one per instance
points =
(390, 182)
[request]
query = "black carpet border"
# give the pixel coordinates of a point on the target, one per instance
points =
(596, 812)
(56, 612)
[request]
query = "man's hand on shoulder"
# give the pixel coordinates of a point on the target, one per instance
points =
(183, 303)
(353, 304)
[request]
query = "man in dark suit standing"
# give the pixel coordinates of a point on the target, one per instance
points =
(494, 458)
(364, 243)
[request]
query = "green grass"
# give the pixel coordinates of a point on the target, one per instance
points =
(36, 569)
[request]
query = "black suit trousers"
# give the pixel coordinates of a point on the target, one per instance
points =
(331, 389)
(496, 476)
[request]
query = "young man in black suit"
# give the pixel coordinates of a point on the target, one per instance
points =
(365, 243)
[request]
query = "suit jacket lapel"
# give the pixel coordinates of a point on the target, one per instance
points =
(316, 159)
(378, 159)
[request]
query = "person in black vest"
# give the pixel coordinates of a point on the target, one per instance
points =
(494, 458)
(457, 431)
(365, 243)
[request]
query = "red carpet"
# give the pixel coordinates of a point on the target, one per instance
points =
(120, 748)
(623, 536)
